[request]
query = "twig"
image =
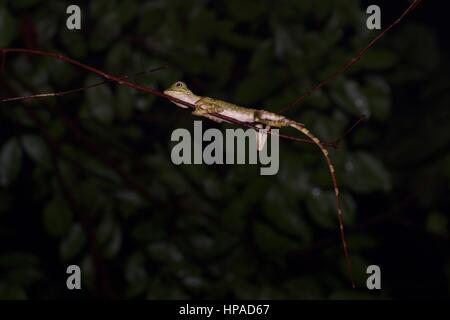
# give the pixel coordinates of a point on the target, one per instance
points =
(353, 60)
(136, 86)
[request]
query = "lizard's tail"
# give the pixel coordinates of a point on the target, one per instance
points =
(306, 132)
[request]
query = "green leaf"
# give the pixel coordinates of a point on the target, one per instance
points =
(7, 28)
(124, 102)
(377, 91)
(25, 3)
(245, 10)
(73, 243)
(145, 231)
(378, 59)
(74, 42)
(437, 223)
(321, 205)
(164, 252)
(272, 243)
(365, 174)
(105, 30)
(18, 260)
(24, 276)
(100, 102)
(12, 292)
(10, 162)
(255, 87)
(128, 10)
(36, 148)
(136, 275)
(284, 215)
(57, 217)
(349, 96)
(109, 236)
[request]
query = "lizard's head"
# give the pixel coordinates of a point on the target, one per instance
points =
(180, 91)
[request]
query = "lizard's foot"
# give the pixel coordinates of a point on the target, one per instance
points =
(261, 136)
(200, 112)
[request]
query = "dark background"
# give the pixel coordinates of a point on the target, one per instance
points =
(87, 178)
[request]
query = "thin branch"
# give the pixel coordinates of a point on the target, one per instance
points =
(94, 149)
(352, 61)
(66, 92)
(133, 85)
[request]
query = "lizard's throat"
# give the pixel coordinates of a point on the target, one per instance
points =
(191, 98)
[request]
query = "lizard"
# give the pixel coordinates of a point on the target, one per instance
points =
(206, 106)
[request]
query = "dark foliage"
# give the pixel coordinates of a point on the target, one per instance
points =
(87, 178)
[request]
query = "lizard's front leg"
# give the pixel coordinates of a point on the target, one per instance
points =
(202, 108)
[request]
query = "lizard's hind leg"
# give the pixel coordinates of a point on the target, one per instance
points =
(261, 136)
(271, 119)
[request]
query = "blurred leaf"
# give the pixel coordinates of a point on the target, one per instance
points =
(105, 30)
(136, 275)
(164, 252)
(303, 288)
(24, 276)
(109, 236)
(74, 42)
(57, 217)
(72, 243)
(25, 3)
(364, 174)
(18, 259)
(321, 206)
(349, 96)
(61, 73)
(12, 292)
(10, 161)
(46, 28)
(244, 11)
(145, 231)
(285, 216)
(359, 242)
(36, 148)
(271, 243)
(100, 102)
(437, 223)
(8, 28)
(88, 274)
(261, 57)
(255, 87)
(128, 11)
(378, 93)
(124, 102)
(378, 59)
(18, 270)
(417, 60)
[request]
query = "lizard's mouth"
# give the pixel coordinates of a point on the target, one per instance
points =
(180, 96)
(174, 94)
(189, 98)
